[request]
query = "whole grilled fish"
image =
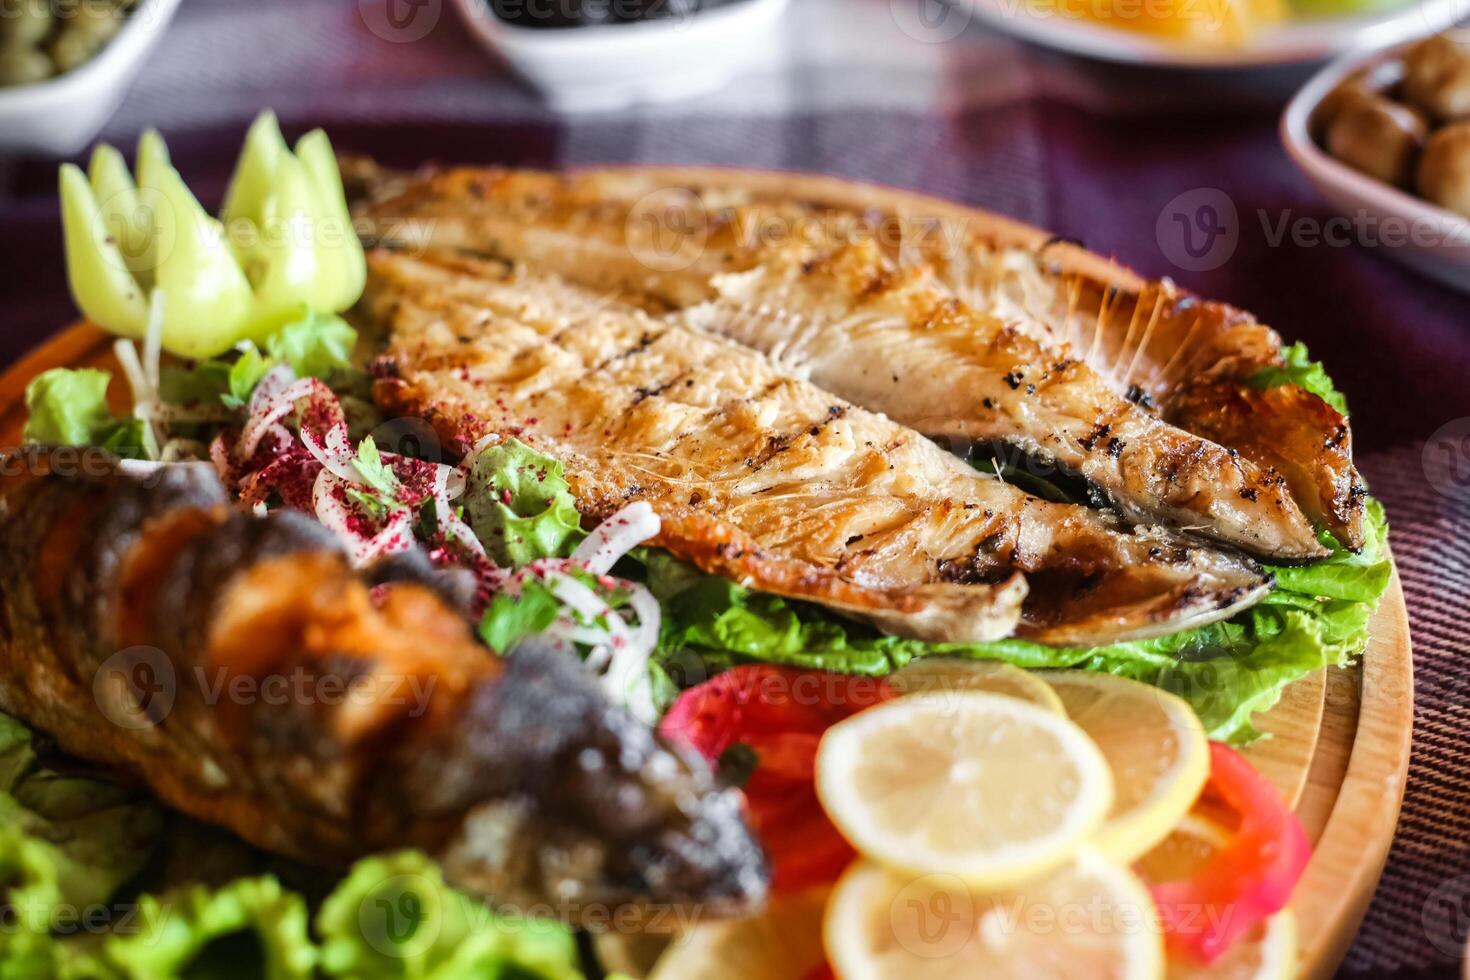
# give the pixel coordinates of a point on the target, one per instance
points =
(816, 286)
(240, 668)
(766, 479)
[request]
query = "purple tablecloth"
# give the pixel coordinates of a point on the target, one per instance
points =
(1103, 156)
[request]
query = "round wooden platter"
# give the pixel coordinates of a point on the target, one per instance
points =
(1339, 745)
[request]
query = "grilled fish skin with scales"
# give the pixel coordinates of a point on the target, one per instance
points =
(820, 304)
(517, 774)
(765, 479)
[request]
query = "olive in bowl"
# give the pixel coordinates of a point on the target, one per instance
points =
(1380, 137)
(1444, 169)
(1437, 75)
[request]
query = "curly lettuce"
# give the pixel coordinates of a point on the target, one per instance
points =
(519, 505)
(73, 851)
(68, 407)
(394, 918)
(1299, 369)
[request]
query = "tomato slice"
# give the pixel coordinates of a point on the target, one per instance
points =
(779, 714)
(1245, 882)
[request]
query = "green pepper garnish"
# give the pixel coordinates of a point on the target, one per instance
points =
(283, 242)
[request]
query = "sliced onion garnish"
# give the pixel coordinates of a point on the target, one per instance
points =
(274, 406)
(627, 678)
(616, 536)
(219, 455)
(450, 481)
(269, 388)
(395, 535)
(481, 444)
(334, 452)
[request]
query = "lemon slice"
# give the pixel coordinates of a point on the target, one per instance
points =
(986, 787)
(1155, 747)
(783, 942)
(1092, 918)
(940, 675)
(1268, 952)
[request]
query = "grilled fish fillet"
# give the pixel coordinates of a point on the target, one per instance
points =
(1189, 360)
(766, 479)
(891, 341)
(251, 678)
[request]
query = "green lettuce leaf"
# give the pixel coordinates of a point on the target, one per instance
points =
(68, 407)
(508, 619)
(252, 927)
(1304, 372)
(1317, 615)
(394, 917)
(315, 346)
(519, 505)
(67, 843)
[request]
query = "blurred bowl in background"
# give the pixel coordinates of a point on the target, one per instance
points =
(1404, 227)
(1300, 39)
(61, 115)
(605, 67)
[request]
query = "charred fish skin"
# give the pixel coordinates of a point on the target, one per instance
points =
(388, 726)
(765, 479)
(591, 227)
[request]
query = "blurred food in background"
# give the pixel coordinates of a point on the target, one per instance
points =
(592, 13)
(1406, 121)
(40, 39)
(1221, 23)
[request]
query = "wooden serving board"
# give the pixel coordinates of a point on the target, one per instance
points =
(1339, 749)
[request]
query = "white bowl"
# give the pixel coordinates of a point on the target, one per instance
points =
(62, 114)
(1298, 41)
(613, 66)
(1394, 222)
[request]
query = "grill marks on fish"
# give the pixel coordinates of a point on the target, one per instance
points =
(1189, 360)
(766, 479)
(390, 726)
(1156, 347)
(855, 323)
